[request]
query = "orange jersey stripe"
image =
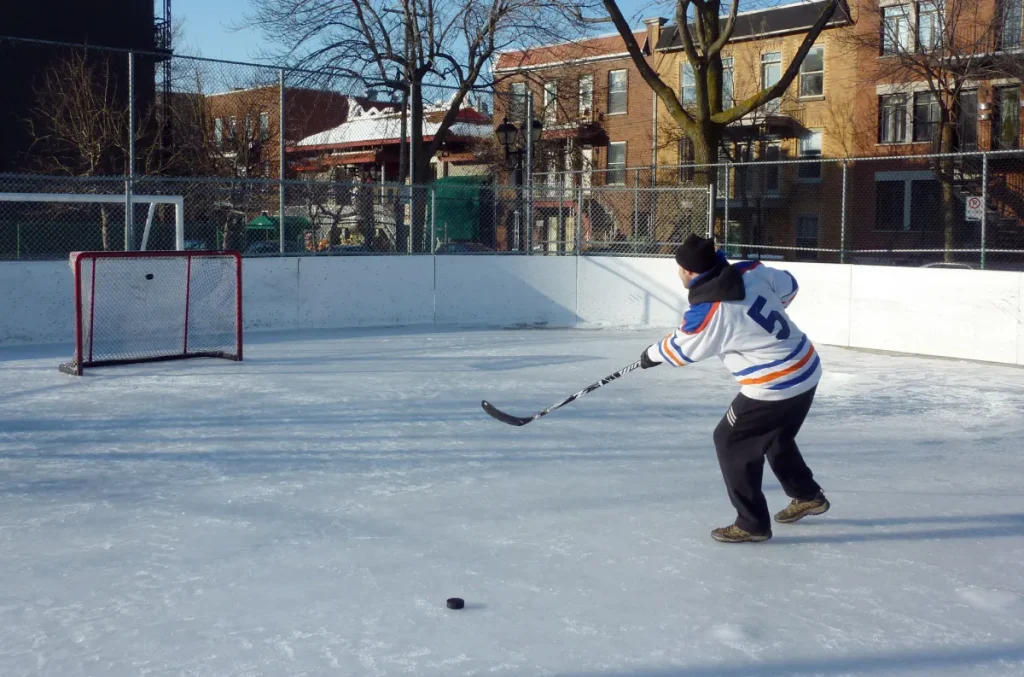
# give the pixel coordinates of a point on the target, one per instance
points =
(666, 347)
(778, 374)
(707, 319)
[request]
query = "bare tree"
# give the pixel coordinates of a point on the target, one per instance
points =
(404, 45)
(703, 32)
(930, 52)
(80, 122)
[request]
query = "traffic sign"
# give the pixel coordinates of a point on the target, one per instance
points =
(974, 209)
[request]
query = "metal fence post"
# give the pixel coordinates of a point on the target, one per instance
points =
(281, 162)
(636, 207)
(984, 204)
(129, 184)
(528, 207)
(579, 222)
(560, 245)
(842, 219)
(433, 220)
(725, 198)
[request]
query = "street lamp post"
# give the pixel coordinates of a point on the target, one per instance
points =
(518, 144)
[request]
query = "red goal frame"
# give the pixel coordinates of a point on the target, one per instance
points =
(81, 360)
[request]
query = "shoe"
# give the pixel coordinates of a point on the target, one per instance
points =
(734, 534)
(798, 509)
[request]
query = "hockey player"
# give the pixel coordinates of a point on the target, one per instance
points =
(737, 312)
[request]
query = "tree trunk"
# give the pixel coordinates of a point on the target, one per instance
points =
(949, 211)
(104, 229)
(705, 156)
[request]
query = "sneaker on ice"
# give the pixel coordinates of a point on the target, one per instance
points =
(798, 509)
(735, 534)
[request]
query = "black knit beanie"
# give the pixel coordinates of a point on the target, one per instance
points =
(697, 254)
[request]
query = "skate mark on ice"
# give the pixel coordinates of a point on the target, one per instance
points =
(987, 599)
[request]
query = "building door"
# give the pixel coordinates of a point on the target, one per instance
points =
(967, 121)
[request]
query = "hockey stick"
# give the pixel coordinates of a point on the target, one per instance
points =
(516, 420)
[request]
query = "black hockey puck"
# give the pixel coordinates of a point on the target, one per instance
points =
(456, 603)
(149, 276)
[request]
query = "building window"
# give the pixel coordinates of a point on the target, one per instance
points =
(617, 163)
(727, 88)
(264, 126)
(807, 236)
(517, 107)
(586, 94)
(892, 118)
(810, 147)
(889, 205)
(232, 128)
(812, 73)
(926, 116)
(218, 132)
(687, 85)
(616, 92)
(771, 72)
(1010, 33)
(685, 160)
(896, 29)
(1008, 109)
(929, 25)
(967, 120)
(550, 102)
(771, 172)
(925, 212)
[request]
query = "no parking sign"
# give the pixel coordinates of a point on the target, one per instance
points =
(973, 209)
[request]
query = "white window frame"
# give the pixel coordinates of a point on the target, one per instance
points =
(686, 68)
(727, 102)
(769, 59)
(612, 171)
(907, 119)
(586, 95)
(624, 91)
(934, 8)
(551, 102)
(264, 126)
(516, 100)
(901, 38)
(803, 73)
(809, 173)
(218, 132)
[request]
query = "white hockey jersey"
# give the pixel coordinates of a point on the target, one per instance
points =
(740, 316)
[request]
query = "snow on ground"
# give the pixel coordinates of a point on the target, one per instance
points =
(309, 510)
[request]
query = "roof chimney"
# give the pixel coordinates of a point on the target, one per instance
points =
(654, 25)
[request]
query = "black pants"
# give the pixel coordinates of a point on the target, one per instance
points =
(750, 431)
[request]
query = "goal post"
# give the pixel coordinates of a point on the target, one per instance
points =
(86, 198)
(133, 307)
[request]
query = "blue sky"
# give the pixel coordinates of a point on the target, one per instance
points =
(207, 29)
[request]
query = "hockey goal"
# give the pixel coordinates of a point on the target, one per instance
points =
(161, 305)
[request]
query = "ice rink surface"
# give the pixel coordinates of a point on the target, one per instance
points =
(308, 511)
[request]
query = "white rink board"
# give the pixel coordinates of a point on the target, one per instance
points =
(822, 307)
(506, 291)
(629, 292)
(1020, 322)
(270, 293)
(37, 302)
(942, 312)
(365, 291)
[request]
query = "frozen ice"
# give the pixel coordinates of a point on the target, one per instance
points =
(309, 510)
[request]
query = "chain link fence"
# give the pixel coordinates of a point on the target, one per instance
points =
(271, 161)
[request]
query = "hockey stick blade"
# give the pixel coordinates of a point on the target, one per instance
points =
(502, 416)
(518, 421)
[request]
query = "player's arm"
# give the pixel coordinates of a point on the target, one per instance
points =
(694, 340)
(782, 283)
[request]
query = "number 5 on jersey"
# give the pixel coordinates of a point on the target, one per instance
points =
(768, 321)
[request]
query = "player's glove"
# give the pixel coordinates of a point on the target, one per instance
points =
(645, 360)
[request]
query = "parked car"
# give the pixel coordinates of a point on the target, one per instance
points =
(348, 250)
(463, 248)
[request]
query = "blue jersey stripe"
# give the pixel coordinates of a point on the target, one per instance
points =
(787, 358)
(792, 279)
(678, 350)
(695, 316)
(799, 379)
